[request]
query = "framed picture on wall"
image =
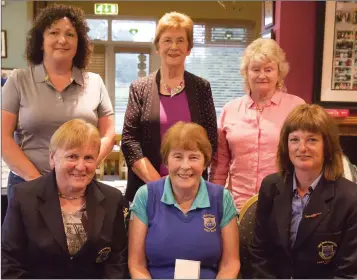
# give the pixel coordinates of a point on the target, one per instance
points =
(269, 11)
(336, 81)
(268, 34)
(3, 44)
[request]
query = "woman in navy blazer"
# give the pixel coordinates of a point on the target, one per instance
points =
(65, 224)
(306, 219)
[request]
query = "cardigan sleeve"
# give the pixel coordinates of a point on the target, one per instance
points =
(131, 135)
(209, 115)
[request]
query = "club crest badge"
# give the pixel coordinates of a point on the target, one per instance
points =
(327, 250)
(209, 222)
(103, 255)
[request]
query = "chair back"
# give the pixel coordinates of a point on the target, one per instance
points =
(114, 163)
(246, 224)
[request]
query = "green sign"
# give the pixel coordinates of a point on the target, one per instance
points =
(106, 9)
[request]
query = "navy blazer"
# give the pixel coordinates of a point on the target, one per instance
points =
(34, 243)
(326, 242)
(141, 132)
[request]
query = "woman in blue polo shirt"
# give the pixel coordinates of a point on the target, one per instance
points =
(182, 216)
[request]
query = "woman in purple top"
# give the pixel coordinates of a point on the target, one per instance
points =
(161, 99)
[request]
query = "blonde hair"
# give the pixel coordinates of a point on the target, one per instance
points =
(175, 20)
(264, 50)
(312, 118)
(74, 133)
(187, 136)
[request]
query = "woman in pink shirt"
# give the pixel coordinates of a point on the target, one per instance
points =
(249, 126)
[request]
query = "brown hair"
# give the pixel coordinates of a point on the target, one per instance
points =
(188, 136)
(48, 16)
(312, 118)
(174, 20)
(74, 133)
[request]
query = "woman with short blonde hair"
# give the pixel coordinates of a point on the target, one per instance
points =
(249, 126)
(264, 50)
(158, 101)
(74, 133)
(65, 224)
(174, 20)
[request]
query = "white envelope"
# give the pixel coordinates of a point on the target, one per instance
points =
(186, 269)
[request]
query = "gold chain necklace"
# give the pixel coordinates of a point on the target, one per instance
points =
(70, 197)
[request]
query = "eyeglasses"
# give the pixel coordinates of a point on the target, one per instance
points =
(169, 42)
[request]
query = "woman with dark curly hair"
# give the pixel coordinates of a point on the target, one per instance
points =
(51, 91)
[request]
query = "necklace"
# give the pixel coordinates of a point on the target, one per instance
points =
(175, 90)
(70, 197)
(260, 109)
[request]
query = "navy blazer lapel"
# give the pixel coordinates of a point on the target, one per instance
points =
(95, 210)
(50, 209)
(282, 211)
(315, 211)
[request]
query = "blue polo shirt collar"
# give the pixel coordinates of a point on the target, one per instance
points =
(201, 200)
(40, 74)
(312, 186)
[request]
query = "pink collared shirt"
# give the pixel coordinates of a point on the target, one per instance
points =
(247, 143)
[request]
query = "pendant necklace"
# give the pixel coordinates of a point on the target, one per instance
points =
(175, 90)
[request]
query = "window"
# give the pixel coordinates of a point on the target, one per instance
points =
(98, 29)
(216, 57)
(130, 62)
(126, 71)
(220, 34)
(220, 66)
(133, 30)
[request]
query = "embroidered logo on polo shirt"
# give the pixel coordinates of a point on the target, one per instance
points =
(209, 222)
(327, 250)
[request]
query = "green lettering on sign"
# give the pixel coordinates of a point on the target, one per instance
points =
(106, 9)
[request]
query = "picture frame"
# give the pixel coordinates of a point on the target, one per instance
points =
(3, 44)
(335, 82)
(268, 34)
(269, 13)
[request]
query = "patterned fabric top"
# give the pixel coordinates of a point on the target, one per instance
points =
(76, 229)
